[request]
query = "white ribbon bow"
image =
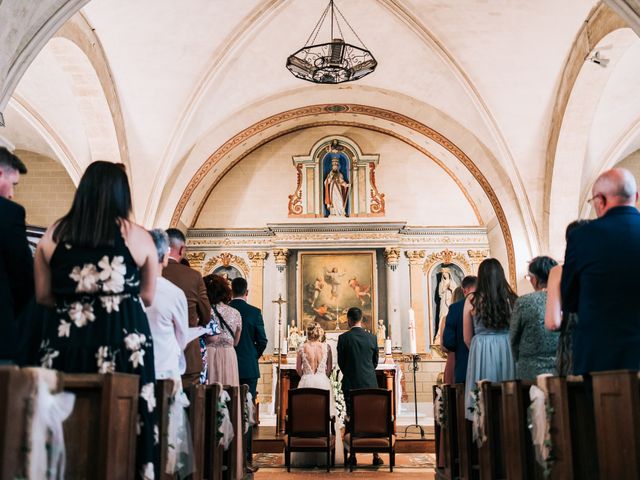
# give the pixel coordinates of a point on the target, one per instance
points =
(478, 419)
(226, 428)
(439, 404)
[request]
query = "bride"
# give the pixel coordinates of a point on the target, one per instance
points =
(314, 364)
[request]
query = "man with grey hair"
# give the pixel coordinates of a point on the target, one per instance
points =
(168, 317)
(599, 278)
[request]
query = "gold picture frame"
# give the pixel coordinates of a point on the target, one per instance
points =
(330, 282)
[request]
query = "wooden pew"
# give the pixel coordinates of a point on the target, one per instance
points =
(100, 434)
(197, 395)
(467, 451)
(16, 387)
(617, 415)
(572, 430)
(446, 435)
(164, 391)
(231, 455)
(244, 390)
(213, 452)
(491, 453)
(519, 458)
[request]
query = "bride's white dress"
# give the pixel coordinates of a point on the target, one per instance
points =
(317, 379)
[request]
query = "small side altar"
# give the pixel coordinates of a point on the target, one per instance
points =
(388, 375)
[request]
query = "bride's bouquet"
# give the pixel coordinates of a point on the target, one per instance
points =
(338, 396)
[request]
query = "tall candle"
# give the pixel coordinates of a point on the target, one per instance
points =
(413, 349)
(285, 347)
(387, 346)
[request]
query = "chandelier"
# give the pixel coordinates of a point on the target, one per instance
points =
(334, 61)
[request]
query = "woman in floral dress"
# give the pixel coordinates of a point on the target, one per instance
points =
(98, 270)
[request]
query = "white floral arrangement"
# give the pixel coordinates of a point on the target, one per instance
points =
(338, 395)
(441, 417)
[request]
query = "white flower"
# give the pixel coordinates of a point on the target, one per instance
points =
(64, 329)
(137, 358)
(111, 303)
(112, 274)
(87, 278)
(47, 360)
(134, 341)
(156, 434)
(148, 394)
(80, 313)
(104, 365)
(147, 472)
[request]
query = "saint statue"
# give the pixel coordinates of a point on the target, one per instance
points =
(381, 332)
(446, 287)
(336, 191)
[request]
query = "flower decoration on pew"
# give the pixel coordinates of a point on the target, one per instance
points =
(441, 416)
(336, 387)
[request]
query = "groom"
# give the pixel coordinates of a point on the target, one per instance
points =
(357, 359)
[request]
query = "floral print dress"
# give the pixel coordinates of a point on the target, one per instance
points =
(99, 325)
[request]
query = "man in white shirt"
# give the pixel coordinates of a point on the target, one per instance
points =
(168, 318)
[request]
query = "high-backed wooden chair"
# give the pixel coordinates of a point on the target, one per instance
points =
(370, 426)
(309, 426)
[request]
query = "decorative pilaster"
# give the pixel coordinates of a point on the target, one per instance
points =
(391, 260)
(196, 259)
(281, 255)
(477, 256)
(416, 259)
(256, 278)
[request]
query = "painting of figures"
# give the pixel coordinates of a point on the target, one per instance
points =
(331, 282)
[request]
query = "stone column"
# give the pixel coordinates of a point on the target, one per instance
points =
(196, 259)
(391, 258)
(416, 259)
(256, 278)
(477, 256)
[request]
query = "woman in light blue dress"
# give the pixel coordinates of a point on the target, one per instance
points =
(486, 329)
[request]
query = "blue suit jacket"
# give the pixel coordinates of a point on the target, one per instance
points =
(253, 339)
(599, 283)
(453, 340)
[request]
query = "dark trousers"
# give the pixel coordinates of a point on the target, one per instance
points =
(252, 383)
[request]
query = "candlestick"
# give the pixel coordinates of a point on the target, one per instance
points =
(413, 349)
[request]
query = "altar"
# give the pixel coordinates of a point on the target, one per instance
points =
(388, 375)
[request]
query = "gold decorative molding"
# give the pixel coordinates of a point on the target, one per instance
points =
(295, 200)
(350, 109)
(447, 256)
(392, 257)
(415, 256)
(226, 260)
(257, 258)
(281, 255)
(477, 256)
(377, 198)
(196, 259)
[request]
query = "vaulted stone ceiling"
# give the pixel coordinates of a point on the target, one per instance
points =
(164, 85)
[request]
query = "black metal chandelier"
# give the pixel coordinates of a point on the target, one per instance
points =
(335, 61)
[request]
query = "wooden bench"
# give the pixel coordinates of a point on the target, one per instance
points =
(519, 458)
(244, 390)
(213, 451)
(467, 452)
(446, 435)
(100, 434)
(230, 456)
(572, 429)
(491, 454)
(617, 417)
(164, 392)
(197, 395)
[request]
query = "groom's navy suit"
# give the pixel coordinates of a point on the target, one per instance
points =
(357, 359)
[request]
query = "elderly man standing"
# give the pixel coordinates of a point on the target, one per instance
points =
(599, 278)
(16, 262)
(191, 283)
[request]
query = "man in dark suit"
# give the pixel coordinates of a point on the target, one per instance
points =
(599, 278)
(253, 341)
(16, 261)
(357, 359)
(191, 283)
(452, 337)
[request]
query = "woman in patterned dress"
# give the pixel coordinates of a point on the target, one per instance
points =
(98, 270)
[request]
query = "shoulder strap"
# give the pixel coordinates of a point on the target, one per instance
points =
(221, 320)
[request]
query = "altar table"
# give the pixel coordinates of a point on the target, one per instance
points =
(388, 375)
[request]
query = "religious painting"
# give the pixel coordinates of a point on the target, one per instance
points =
(336, 185)
(329, 283)
(445, 278)
(228, 273)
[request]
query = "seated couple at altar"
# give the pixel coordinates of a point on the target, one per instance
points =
(357, 360)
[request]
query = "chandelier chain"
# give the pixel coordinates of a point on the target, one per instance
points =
(350, 27)
(316, 29)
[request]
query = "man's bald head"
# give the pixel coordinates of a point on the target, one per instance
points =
(614, 188)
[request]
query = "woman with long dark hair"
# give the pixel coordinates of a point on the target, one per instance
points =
(486, 317)
(97, 268)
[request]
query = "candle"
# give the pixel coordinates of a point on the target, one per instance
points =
(285, 347)
(387, 346)
(413, 349)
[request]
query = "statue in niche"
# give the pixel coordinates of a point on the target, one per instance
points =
(381, 332)
(446, 287)
(336, 182)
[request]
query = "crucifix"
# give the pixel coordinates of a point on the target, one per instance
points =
(280, 301)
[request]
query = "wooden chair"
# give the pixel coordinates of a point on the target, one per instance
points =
(309, 432)
(370, 427)
(197, 395)
(100, 434)
(164, 391)
(519, 459)
(617, 415)
(213, 451)
(491, 454)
